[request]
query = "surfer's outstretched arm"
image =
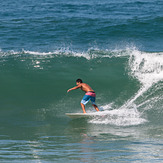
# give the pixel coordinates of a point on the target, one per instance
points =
(76, 87)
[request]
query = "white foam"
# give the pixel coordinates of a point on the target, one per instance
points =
(148, 69)
(119, 117)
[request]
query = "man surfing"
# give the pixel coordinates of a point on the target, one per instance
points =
(89, 94)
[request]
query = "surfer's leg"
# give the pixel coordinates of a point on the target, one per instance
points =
(93, 103)
(83, 107)
(84, 101)
(95, 106)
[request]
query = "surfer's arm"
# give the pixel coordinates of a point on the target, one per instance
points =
(76, 87)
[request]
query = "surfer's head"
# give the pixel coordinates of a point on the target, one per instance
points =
(78, 81)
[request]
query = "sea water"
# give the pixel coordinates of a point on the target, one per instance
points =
(114, 46)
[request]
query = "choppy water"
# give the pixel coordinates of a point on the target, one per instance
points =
(115, 47)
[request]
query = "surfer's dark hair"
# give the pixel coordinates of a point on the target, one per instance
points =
(79, 81)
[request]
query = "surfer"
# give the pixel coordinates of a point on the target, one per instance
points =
(89, 94)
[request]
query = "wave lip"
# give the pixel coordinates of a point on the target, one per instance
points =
(146, 67)
(66, 52)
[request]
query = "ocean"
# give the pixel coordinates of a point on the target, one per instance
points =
(114, 46)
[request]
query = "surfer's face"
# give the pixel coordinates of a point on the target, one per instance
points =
(77, 83)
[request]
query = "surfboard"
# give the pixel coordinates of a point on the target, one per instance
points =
(80, 115)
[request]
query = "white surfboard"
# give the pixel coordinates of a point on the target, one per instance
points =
(80, 115)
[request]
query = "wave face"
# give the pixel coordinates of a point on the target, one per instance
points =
(128, 84)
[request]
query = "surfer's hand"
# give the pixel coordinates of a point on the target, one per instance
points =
(69, 90)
